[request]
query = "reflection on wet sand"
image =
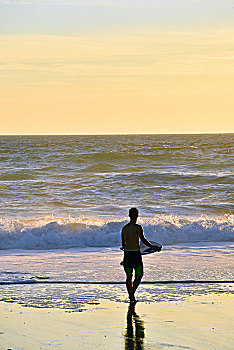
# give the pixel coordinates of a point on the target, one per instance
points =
(134, 339)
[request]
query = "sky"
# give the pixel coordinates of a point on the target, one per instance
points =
(116, 66)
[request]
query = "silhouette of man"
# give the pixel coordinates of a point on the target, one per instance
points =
(131, 235)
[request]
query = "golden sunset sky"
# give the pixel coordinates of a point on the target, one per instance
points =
(96, 67)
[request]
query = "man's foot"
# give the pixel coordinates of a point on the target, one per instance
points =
(132, 298)
(133, 301)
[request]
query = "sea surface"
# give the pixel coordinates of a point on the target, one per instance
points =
(64, 200)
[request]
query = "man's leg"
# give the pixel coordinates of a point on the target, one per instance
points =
(137, 281)
(129, 285)
(128, 271)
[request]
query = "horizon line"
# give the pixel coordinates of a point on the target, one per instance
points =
(119, 134)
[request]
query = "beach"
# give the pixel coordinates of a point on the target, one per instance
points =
(116, 112)
(72, 299)
(204, 322)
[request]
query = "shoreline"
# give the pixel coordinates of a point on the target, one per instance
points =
(46, 281)
(200, 322)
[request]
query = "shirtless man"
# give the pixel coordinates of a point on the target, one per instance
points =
(131, 235)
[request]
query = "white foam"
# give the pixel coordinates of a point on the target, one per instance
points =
(54, 233)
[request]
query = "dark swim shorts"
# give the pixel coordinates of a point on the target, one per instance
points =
(133, 260)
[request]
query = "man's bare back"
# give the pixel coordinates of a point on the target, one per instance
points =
(131, 236)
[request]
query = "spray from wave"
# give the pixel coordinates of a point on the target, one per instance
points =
(60, 233)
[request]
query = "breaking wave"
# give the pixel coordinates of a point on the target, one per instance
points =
(62, 233)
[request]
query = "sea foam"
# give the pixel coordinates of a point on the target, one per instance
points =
(60, 233)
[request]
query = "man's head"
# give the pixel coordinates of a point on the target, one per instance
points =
(133, 213)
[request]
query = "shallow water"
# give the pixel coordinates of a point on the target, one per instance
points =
(175, 263)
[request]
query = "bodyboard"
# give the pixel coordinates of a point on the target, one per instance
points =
(144, 249)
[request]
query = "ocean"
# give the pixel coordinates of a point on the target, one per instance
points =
(64, 200)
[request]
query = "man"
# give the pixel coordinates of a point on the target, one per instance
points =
(131, 235)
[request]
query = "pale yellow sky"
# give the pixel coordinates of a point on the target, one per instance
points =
(148, 81)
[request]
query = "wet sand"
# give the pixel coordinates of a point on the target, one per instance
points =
(201, 322)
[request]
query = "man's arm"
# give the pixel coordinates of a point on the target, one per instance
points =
(123, 241)
(145, 241)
